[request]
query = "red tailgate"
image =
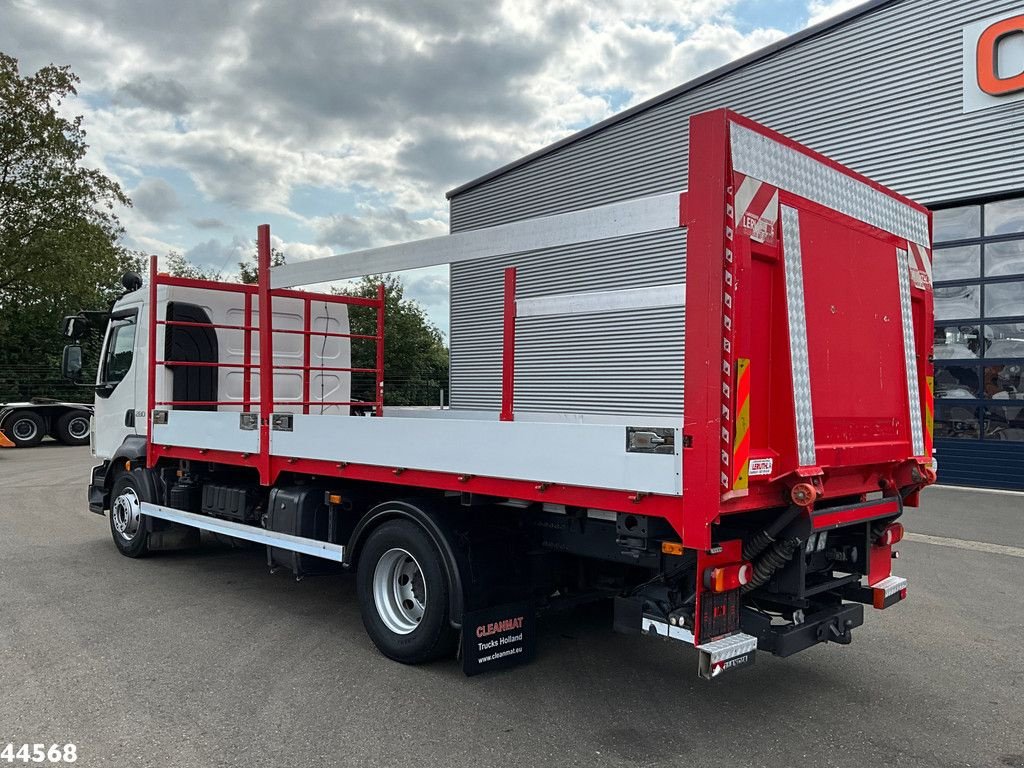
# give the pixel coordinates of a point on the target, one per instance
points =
(823, 328)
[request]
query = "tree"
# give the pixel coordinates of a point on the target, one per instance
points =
(415, 357)
(59, 249)
(177, 265)
(247, 269)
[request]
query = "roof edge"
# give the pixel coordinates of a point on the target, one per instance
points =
(715, 74)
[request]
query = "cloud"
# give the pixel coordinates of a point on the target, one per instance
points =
(220, 257)
(381, 104)
(209, 223)
(372, 227)
(820, 10)
(155, 199)
(165, 94)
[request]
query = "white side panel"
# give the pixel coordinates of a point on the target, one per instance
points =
(206, 429)
(591, 455)
(228, 309)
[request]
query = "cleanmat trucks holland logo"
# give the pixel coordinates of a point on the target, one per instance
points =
(994, 62)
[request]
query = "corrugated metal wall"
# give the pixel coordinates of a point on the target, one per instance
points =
(881, 93)
(608, 362)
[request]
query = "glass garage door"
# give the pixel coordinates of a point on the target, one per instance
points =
(979, 344)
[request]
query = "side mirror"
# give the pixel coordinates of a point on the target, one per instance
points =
(74, 327)
(71, 363)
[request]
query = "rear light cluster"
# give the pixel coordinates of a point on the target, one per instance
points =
(888, 591)
(893, 534)
(726, 578)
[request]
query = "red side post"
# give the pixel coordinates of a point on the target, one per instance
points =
(151, 388)
(508, 351)
(266, 347)
(380, 349)
(306, 356)
(247, 355)
(707, 241)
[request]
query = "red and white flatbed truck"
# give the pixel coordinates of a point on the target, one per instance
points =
(762, 517)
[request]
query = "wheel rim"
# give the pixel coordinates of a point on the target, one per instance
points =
(125, 514)
(25, 429)
(399, 591)
(78, 427)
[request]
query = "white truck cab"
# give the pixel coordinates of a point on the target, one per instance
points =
(119, 410)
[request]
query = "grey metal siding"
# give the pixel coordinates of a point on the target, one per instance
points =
(881, 93)
(608, 362)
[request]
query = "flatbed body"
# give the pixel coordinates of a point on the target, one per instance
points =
(806, 296)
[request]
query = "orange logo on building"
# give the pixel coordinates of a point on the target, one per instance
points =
(989, 79)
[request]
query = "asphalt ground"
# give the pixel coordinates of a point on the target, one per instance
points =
(204, 658)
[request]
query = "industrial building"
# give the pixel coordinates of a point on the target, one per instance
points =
(924, 96)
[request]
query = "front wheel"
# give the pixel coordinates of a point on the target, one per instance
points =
(404, 594)
(127, 523)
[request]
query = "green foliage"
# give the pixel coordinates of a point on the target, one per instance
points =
(415, 357)
(59, 234)
(59, 253)
(177, 265)
(247, 269)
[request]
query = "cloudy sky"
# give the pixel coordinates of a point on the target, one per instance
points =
(343, 122)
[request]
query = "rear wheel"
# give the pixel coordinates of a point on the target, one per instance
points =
(404, 594)
(127, 523)
(26, 428)
(73, 428)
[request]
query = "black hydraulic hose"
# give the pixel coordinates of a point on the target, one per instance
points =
(781, 552)
(759, 543)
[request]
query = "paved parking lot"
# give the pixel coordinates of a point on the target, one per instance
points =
(204, 658)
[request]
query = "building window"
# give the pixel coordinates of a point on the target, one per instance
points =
(979, 321)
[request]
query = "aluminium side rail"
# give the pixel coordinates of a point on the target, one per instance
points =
(603, 222)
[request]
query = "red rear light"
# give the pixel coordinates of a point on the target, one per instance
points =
(726, 578)
(893, 534)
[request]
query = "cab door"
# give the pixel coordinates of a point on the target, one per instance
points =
(115, 409)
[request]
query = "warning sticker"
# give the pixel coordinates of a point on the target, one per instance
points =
(760, 467)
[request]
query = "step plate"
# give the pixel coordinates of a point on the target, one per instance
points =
(726, 654)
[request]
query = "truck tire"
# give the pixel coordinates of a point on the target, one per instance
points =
(73, 428)
(127, 523)
(26, 428)
(404, 594)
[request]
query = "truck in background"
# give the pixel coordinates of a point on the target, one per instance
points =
(762, 517)
(23, 425)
